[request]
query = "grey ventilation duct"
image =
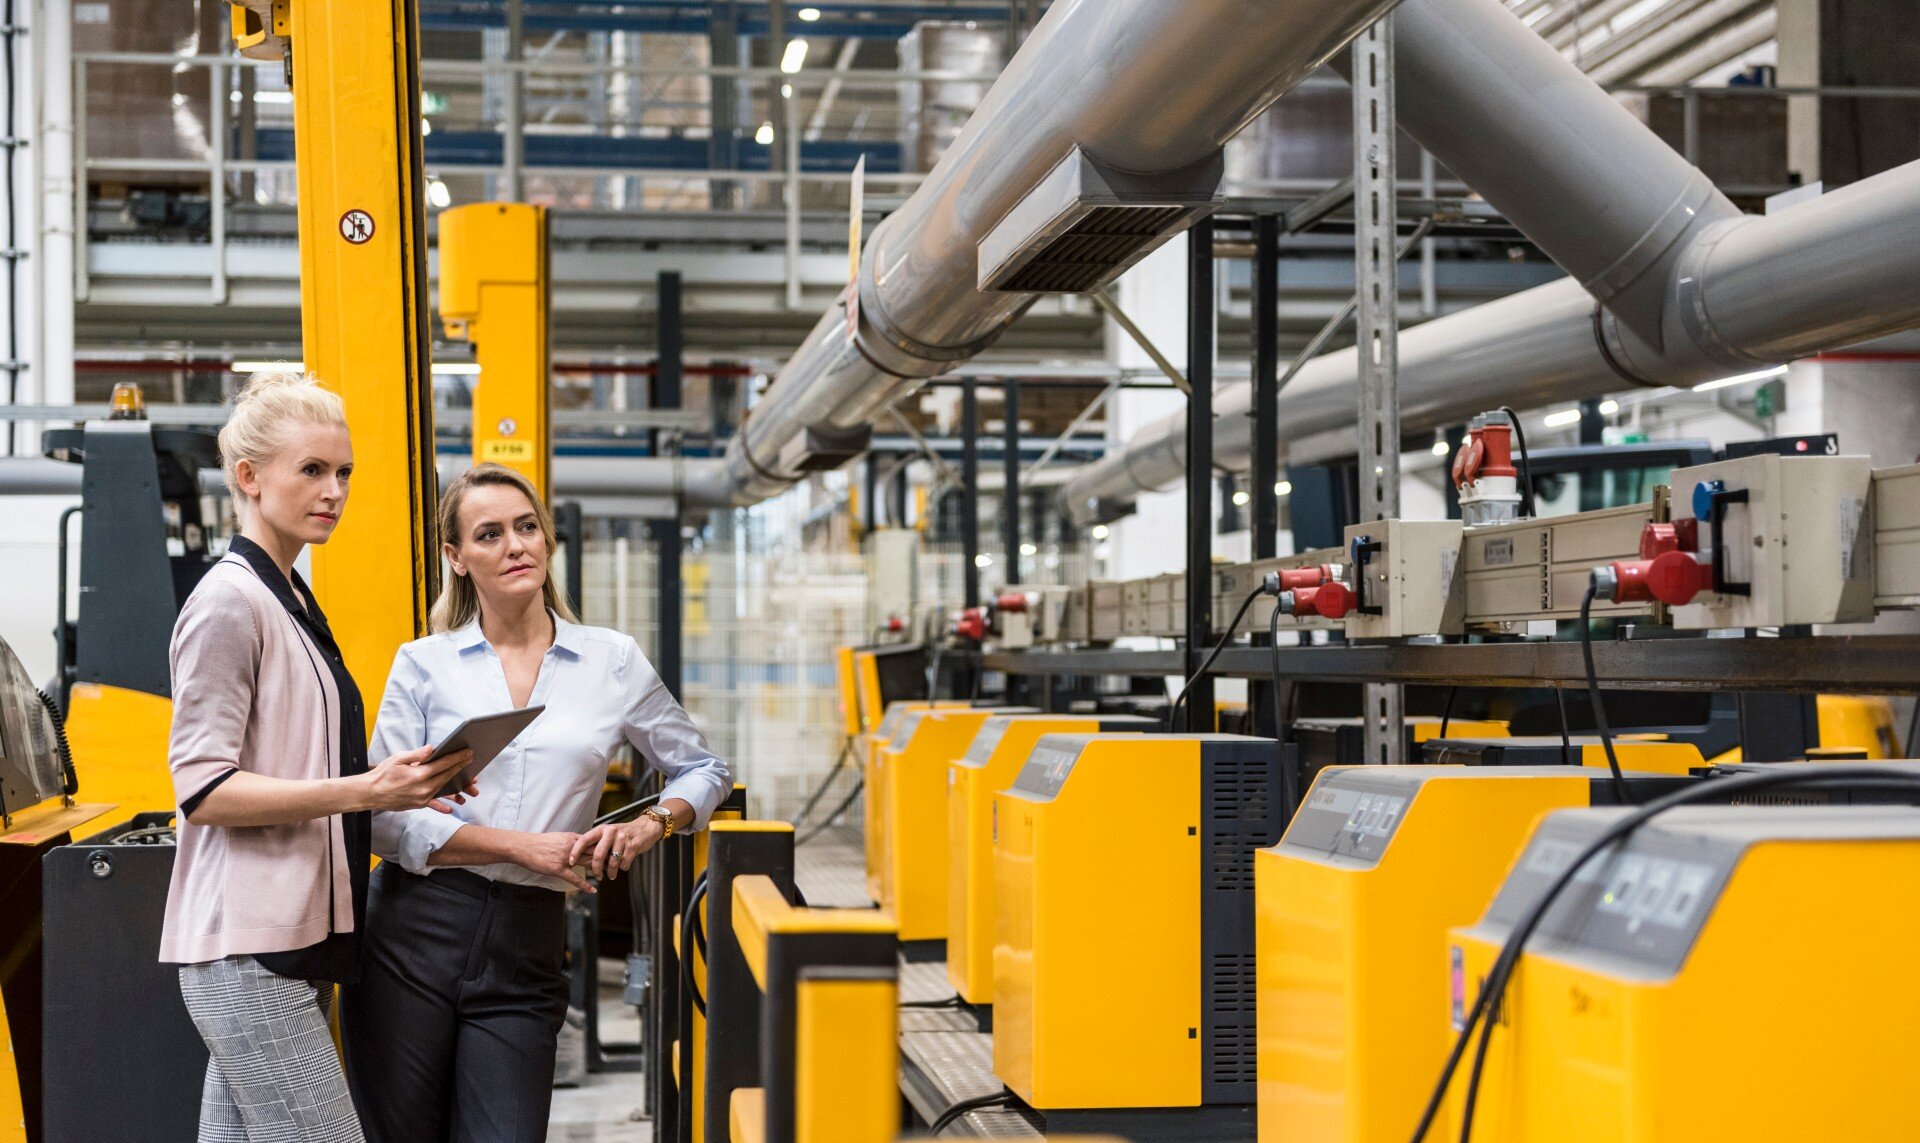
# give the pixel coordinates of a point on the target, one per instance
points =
(1691, 289)
(1151, 88)
(1086, 224)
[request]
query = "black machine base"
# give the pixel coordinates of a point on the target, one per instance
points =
(1211, 1123)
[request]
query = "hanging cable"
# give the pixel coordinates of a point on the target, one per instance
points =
(1724, 790)
(1446, 712)
(1289, 773)
(1220, 645)
(846, 751)
(688, 942)
(1566, 735)
(823, 823)
(1593, 693)
(1526, 465)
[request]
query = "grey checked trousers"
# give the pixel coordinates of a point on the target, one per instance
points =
(274, 1076)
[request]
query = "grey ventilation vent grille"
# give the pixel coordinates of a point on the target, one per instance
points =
(1083, 225)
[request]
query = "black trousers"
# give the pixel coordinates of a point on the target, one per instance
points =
(449, 1036)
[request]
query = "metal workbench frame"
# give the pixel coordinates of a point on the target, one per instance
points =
(1845, 664)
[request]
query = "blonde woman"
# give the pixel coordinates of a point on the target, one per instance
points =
(269, 759)
(449, 1035)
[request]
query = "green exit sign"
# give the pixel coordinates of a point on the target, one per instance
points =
(431, 103)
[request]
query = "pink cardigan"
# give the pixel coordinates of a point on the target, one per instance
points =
(250, 692)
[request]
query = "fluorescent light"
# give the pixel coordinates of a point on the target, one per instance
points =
(1284, 488)
(795, 57)
(268, 367)
(1762, 375)
(1609, 407)
(764, 136)
(1101, 531)
(983, 560)
(1441, 448)
(809, 14)
(786, 91)
(285, 97)
(1562, 419)
(426, 128)
(1240, 499)
(456, 369)
(438, 196)
(1028, 550)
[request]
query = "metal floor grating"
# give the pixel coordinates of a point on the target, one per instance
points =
(831, 871)
(939, 1069)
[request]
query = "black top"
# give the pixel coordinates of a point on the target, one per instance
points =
(337, 957)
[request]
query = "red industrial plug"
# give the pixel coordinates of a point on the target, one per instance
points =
(1330, 600)
(1012, 601)
(1293, 579)
(1668, 569)
(972, 624)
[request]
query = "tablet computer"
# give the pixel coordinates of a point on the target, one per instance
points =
(487, 735)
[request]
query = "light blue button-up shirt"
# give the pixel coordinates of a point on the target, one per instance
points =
(598, 690)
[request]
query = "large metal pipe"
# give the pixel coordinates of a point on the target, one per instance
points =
(1141, 85)
(1498, 106)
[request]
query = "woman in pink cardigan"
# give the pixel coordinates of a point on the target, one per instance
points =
(269, 760)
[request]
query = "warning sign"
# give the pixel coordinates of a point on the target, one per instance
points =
(356, 226)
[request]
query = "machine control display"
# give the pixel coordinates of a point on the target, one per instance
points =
(987, 741)
(890, 723)
(1646, 903)
(1353, 814)
(1052, 760)
(908, 727)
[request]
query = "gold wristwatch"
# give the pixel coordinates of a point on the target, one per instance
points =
(664, 816)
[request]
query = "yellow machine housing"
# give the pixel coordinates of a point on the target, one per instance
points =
(1123, 945)
(871, 743)
(991, 763)
(494, 293)
(910, 776)
(1646, 753)
(1354, 905)
(1730, 972)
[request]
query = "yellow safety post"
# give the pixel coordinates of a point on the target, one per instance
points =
(363, 307)
(494, 292)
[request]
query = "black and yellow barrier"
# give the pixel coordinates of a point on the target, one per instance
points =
(802, 1004)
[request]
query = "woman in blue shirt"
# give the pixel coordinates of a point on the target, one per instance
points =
(450, 1034)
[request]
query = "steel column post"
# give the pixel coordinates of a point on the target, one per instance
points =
(1200, 348)
(970, 490)
(1266, 386)
(1010, 492)
(1377, 325)
(671, 340)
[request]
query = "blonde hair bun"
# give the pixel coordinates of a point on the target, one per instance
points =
(265, 415)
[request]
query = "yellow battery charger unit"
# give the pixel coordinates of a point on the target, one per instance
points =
(1123, 944)
(895, 720)
(1647, 753)
(1353, 909)
(1729, 972)
(910, 846)
(990, 765)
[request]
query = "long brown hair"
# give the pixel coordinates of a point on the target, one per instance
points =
(459, 601)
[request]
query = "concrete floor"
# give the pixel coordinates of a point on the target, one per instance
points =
(605, 1108)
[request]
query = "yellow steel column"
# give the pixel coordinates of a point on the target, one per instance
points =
(494, 293)
(363, 313)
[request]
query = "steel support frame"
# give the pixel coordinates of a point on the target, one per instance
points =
(1198, 717)
(1376, 278)
(1010, 490)
(666, 383)
(970, 491)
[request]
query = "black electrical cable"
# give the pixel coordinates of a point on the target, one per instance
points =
(1730, 789)
(1218, 646)
(1566, 735)
(948, 1117)
(823, 823)
(1289, 776)
(69, 779)
(688, 942)
(1526, 466)
(1913, 730)
(1593, 693)
(1446, 712)
(946, 1002)
(846, 751)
